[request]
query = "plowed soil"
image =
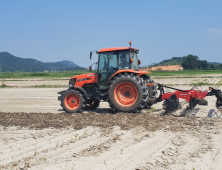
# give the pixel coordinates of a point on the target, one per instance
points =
(35, 133)
(125, 121)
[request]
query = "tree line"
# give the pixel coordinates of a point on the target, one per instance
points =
(192, 62)
(189, 62)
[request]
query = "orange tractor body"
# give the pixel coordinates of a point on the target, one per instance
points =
(117, 80)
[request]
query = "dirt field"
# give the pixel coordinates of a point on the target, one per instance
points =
(35, 133)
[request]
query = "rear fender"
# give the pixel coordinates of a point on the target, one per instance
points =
(140, 72)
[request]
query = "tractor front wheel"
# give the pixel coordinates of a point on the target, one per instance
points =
(72, 101)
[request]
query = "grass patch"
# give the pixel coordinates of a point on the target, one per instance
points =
(184, 72)
(150, 110)
(78, 72)
(49, 86)
(204, 82)
(42, 74)
(176, 77)
(3, 86)
(48, 79)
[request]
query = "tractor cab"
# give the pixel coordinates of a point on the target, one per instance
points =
(111, 60)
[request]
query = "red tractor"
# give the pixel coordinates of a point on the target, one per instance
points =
(117, 80)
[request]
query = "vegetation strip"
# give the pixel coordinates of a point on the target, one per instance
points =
(64, 74)
(36, 86)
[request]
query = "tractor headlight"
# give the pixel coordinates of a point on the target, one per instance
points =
(72, 82)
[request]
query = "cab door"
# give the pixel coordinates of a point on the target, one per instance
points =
(106, 68)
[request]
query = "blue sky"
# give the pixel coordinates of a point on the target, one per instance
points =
(53, 30)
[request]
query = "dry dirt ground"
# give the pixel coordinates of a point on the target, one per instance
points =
(36, 134)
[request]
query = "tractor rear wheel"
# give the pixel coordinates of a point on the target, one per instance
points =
(72, 101)
(92, 104)
(152, 90)
(127, 93)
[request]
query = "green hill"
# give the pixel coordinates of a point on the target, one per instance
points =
(178, 61)
(190, 62)
(172, 61)
(10, 63)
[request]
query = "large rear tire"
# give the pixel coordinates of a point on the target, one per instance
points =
(72, 101)
(127, 93)
(152, 90)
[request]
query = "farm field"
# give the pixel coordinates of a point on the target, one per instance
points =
(35, 133)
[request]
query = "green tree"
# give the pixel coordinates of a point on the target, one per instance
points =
(203, 65)
(212, 67)
(190, 62)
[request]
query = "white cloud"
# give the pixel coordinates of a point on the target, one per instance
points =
(215, 32)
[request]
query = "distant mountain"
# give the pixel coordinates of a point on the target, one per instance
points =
(172, 61)
(65, 62)
(10, 62)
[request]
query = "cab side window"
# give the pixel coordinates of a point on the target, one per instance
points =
(123, 60)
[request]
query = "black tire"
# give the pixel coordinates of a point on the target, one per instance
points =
(92, 104)
(152, 90)
(72, 101)
(140, 90)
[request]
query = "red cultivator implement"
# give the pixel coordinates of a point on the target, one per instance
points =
(193, 97)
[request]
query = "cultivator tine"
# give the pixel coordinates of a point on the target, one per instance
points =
(192, 103)
(202, 102)
(218, 94)
(185, 111)
(219, 102)
(171, 104)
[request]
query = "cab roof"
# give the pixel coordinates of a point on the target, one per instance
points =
(115, 49)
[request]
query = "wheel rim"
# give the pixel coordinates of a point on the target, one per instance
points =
(72, 101)
(125, 94)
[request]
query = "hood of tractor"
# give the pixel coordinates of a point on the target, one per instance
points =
(82, 79)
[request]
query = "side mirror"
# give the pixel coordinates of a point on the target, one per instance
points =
(90, 68)
(90, 55)
(139, 62)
